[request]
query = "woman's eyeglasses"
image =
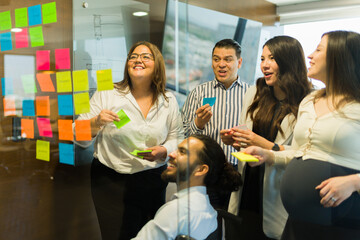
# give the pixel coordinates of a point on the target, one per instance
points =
(145, 57)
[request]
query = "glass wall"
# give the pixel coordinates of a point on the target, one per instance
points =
(54, 55)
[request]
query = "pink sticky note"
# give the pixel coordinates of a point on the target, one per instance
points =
(43, 60)
(44, 127)
(62, 58)
(22, 39)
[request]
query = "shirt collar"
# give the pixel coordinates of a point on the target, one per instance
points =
(184, 192)
(216, 83)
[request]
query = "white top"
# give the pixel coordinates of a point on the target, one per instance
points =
(274, 213)
(333, 137)
(172, 219)
(162, 126)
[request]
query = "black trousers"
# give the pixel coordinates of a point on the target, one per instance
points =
(124, 203)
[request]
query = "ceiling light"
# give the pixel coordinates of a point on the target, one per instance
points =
(16, 30)
(140, 14)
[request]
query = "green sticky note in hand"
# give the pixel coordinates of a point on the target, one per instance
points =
(135, 152)
(243, 157)
(124, 119)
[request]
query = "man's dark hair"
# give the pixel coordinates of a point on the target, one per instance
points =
(228, 43)
(222, 175)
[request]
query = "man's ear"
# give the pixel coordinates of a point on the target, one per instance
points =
(201, 170)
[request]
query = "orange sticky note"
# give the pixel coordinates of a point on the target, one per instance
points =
(45, 82)
(9, 106)
(42, 106)
(83, 130)
(27, 128)
(65, 130)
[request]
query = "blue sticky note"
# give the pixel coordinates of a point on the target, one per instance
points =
(7, 86)
(5, 41)
(34, 14)
(28, 108)
(65, 105)
(66, 152)
(209, 100)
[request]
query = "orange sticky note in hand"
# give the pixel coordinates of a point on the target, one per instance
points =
(27, 128)
(42, 106)
(243, 157)
(45, 82)
(65, 130)
(83, 130)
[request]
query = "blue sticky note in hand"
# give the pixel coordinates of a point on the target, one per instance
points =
(209, 100)
(65, 105)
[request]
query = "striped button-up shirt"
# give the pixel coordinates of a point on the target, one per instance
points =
(226, 110)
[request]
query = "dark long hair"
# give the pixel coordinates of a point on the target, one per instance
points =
(342, 67)
(222, 175)
(291, 79)
(158, 82)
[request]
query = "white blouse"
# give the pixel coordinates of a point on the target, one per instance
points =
(333, 137)
(162, 126)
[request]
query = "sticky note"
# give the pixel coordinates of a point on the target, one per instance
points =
(65, 130)
(82, 130)
(42, 106)
(43, 150)
(22, 39)
(135, 152)
(210, 101)
(124, 119)
(49, 13)
(27, 128)
(81, 80)
(65, 105)
(62, 58)
(34, 15)
(36, 36)
(9, 106)
(44, 80)
(243, 157)
(5, 41)
(104, 80)
(28, 108)
(28, 82)
(7, 86)
(43, 60)
(5, 21)
(44, 127)
(21, 17)
(63, 81)
(81, 103)
(66, 154)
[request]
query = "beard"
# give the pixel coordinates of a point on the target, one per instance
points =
(181, 175)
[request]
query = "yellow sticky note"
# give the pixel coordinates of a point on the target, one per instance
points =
(81, 103)
(63, 81)
(104, 80)
(43, 150)
(81, 80)
(243, 157)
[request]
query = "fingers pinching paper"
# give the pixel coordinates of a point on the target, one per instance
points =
(124, 119)
(243, 157)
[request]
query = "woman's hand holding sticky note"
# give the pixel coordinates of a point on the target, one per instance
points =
(243, 157)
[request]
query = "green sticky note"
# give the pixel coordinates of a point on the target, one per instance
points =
(28, 82)
(135, 152)
(81, 80)
(36, 36)
(104, 80)
(21, 17)
(43, 150)
(63, 81)
(5, 21)
(49, 12)
(243, 157)
(124, 119)
(81, 103)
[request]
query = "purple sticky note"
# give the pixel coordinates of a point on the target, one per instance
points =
(44, 127)
(62, 58)
(209, 100)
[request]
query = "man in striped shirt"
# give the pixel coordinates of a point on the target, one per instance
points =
(228, 91)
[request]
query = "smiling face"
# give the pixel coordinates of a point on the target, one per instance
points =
(137, 68)
(269, 67)
(187, 151)
(225, 65)
(317, 69)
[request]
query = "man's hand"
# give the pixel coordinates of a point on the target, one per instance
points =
(203, 115)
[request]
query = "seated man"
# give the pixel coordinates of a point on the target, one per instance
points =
(198, 164)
